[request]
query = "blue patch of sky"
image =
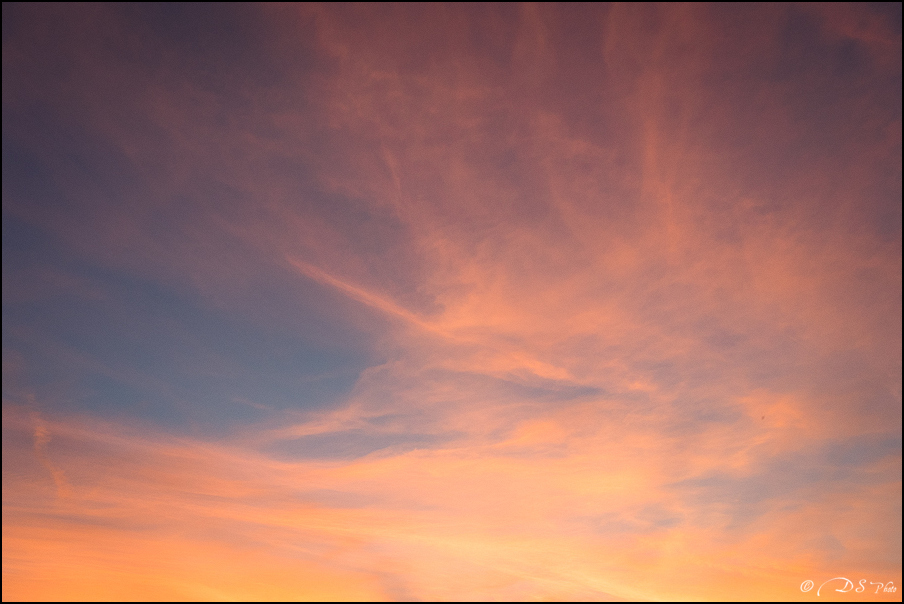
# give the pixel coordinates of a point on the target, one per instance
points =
(155, 352)
(833, 466)
(351, 444)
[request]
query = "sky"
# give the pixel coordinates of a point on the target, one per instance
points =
(452, 301)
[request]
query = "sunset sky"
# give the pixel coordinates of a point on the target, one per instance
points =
(452, 301)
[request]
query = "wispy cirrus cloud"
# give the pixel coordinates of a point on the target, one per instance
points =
(432, 302)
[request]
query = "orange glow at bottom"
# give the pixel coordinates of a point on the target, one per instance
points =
(157, 520)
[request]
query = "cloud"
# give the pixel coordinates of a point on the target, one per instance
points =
(440, 302)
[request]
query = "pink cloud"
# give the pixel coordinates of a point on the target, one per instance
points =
(626, 271)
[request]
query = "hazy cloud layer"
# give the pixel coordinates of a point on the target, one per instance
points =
(441, 302)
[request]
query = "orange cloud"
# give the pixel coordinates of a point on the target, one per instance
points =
(625, 272)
